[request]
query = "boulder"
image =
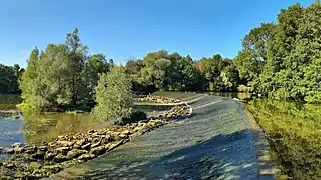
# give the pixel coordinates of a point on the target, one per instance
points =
(80, 143)
(39, 155)
(60, 158)
(98, 150)
(65, 143)
(49, 156)
(19, 150)
(10, 151)
(34, 166)
(86, 157)
(75, 153)
(95, 145)
(63, 150)
(17, 144)
(91, 131)
(123, 136)
(86, 146)
(126, 132)
(31, 149)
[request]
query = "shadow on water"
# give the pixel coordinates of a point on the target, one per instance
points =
(215, 158)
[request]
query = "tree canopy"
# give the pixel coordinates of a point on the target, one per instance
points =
(289, 57)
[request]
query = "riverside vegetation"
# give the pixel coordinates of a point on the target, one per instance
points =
(279, 60)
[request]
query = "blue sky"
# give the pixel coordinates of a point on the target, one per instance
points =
(130, 28)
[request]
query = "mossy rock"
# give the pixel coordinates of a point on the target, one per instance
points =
(86, 157)
(75, 153)
(34, 166)
(98, 150)
(49, 156)
(60, 158)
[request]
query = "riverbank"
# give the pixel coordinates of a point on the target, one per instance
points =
(34, 161)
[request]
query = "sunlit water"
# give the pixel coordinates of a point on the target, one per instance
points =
(294, 134)
(214, 143)
(36, 128)
(215, 129)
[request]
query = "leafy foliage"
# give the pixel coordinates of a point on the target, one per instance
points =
(62, 75)
(113, 96)
(9, 78)
(282, 60)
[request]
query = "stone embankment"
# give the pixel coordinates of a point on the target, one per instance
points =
(38, 161)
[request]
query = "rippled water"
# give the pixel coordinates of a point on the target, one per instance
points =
(214, 143)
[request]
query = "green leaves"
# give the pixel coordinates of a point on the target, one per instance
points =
(62, 75)
(282, 60)
(113, 96)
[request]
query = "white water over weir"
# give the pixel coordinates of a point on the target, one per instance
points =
(213, 143)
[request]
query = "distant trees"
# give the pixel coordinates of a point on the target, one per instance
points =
(161, 70)
(9, 78)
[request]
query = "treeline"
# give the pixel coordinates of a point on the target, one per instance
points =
(163, 71)
(9, 79)
(283, 60)
(64, 75)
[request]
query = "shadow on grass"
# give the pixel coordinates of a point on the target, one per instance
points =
(220, 157)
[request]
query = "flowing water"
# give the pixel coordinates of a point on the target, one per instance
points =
(214, 143)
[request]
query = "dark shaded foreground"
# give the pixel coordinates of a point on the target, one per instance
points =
(214, 143)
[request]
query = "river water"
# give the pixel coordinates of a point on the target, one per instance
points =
(36, 128)
(293, 131)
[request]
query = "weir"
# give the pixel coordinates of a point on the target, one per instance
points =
(215, 142)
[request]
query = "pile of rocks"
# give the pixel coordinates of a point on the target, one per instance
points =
(38, 161)
(9, 113)
(157, 99)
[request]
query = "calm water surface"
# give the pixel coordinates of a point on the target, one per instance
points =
(36, 128)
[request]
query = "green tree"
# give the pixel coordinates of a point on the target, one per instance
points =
(77, 57)
(155, 69)
(253, 56)
(113, 96)
(95, 65)
(292, 68)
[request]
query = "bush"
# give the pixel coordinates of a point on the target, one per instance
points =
(136, 116)
(243, 88)
(113, 96)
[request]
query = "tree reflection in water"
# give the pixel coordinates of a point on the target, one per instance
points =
(294, 133)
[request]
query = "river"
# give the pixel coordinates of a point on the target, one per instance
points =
(293, 131)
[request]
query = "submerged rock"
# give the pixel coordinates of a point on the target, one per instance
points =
(75, 153)
(60, 158)
(98, 150)
(86, 157)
